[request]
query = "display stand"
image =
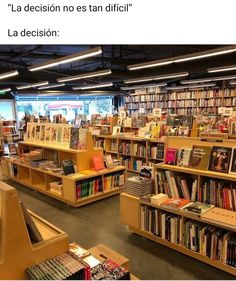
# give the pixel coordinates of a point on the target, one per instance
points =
(40, 179)
(16, 250)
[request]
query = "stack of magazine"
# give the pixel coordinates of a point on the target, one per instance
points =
(139, 186)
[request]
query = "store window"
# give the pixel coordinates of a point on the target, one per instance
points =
(7, 110)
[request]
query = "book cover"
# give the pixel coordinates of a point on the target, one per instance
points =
(197, 208)
(183, 157)
(74, 138)
(183, 131)
(108, 161)
(59, 134)
(171, 154)
(98, 163)
(66, 134)
(32, 134)
(220, 159)
(68, 167)
(37, 132)
(233, 162)
(53, 133)
(47, 132)
(175, 203)
(42, 133)
(221, 216)
(199, 158)
(83, 133)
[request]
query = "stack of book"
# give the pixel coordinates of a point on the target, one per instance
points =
(85, 188)
(138, 186)
(63, 267)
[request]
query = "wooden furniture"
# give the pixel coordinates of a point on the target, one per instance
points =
(113, 145)
(130, 206)
(16, 250)
(111, 122)
(40, 179)
(182, 102)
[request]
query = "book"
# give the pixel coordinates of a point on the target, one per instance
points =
(233, 162)
(82, 145)
(183, 131)
(53, 133)
(108, 161)
(59, 133)
(74, 138)
(226, 218)
(158, 198)
(170, 157)
(197, 208)
(183, 157)
(220, 159)
(47, 132)
(98, 163)
(68, 167)
(66, 134)
(37, 132)
(175, 203)
(199, 158)
(42, 133)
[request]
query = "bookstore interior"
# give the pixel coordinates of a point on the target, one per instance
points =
(118, 162)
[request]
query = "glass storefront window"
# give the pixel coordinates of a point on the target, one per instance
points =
(7, 110)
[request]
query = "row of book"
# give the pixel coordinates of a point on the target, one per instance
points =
(88, 187)
(229, 101)
(137, 164)
(219, 193)
(126, 161)
(210, 102)
(113, 181)
(210, 241)
(186, 103)
(216, 158)
(156, 152)
(125, 148)
(139, 150)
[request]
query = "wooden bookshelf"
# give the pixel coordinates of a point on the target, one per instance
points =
(40, 179)
(181, 102)
(111, 146)
(16, 249)
(133, 220)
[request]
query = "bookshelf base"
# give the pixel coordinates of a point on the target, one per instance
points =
(184, 250)
(79, 203)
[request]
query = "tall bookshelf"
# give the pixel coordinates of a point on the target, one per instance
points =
(182, 102)
(84, 187)
(133, 151)
(140, 224)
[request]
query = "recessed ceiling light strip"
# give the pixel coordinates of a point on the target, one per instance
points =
(93, 86)
(34, 85)
(52, 86)
(85, 75)
(3, 91)
(9, 74)
(221, 69)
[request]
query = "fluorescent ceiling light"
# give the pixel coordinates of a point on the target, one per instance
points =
(178, 59)
(232, 82)
(93, 86)
(3, 91)
(222, 68)
(154, 78)
(210, 79)
(192, 87)
(34, 85)
(9, 74)
(85, 75)
(50, 86)
(67, 59)
(143, 86)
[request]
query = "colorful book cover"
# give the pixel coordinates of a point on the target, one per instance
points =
(200, 156)
(37, 132)
(98, 163)
(47, 132)
(220, 159)
(171, 154)
(183, 157)
(183, 131)
(74, 138)
(83, 133)
(28, 131)
(197, 208)
(32, 134)
(42, 133)
(59, 133)
(66, 134)
(233, 162)
(54, 133)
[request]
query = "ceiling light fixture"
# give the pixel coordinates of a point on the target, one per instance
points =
(85, 75)
(154, 78)
(143, 86)
(221, 69)
(9, 74)
(178, 59)
(3, 91)
(175, 88)
(34, 85)
(232, 82)
(67, 59)
(93, 86)
(210, 79)
(52, 86)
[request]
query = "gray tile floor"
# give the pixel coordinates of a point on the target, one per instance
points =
(99, 223)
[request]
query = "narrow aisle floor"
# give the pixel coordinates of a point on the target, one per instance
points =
(99, 223)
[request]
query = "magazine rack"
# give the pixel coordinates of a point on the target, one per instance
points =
(16, 249)
(40, 179)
